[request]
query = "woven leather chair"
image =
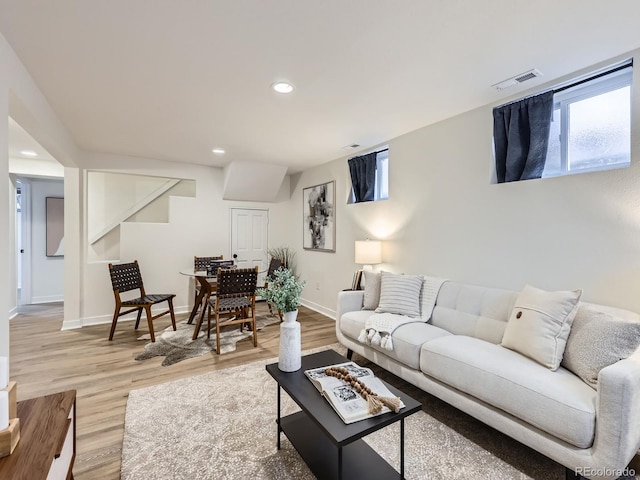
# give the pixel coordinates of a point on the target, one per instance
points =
(126, 277)
(201, 264)
(274, 264)
(235, 298)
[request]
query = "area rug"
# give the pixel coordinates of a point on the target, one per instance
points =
(222, 425)
(177, 346)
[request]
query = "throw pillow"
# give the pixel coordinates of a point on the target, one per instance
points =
(371, 290)
(400, 294)
(540, 323)
(597, 340)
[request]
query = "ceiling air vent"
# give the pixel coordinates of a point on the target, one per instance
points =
(523, 77)
(353, 146)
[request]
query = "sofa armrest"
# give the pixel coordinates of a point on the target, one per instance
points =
(348, 301)
(618, 413)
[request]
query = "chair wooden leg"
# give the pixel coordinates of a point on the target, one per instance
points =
(217, 333)
(147, 308)
(280, 315)
(113, 324)
(138, 319)
(209, 323)
(173, 314)
(255, 327)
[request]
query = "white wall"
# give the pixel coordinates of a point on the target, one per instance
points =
(47, 273)
(444, 218)
(197, 226)
(21, 98)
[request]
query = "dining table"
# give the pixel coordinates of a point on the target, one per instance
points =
(208, 286)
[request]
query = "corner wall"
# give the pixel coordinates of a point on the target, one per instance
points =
(444, 218)
(47, 273)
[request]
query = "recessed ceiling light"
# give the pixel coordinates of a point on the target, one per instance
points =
(28, 153)
(282, 87)
(218, 151)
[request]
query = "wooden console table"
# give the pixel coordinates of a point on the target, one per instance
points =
(47, 446)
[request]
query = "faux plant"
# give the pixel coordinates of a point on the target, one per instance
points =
(286, 254)
(283, 290)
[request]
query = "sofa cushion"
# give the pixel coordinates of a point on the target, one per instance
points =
(540, 323)
(597, 340)
(474, 311)
(558, 403)
(407, 339)
(371, 296)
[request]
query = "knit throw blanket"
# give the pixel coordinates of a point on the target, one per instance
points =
(379, 327)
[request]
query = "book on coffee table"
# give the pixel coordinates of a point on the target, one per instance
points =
(345, 400)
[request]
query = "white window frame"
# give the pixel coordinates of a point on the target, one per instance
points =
(564, 99)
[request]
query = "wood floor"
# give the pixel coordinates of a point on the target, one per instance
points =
(45, 360)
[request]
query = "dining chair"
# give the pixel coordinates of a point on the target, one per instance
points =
(202, 264)
(235, 298)
(274, 265)
(126, 277)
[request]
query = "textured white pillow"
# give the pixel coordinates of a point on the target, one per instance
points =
(540, 323)
(371, 296)
(597, 340)
(400, 294)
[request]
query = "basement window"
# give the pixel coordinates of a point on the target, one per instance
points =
(591, 126)
(381, 184)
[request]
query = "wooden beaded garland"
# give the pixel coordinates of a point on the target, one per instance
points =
(375, 402)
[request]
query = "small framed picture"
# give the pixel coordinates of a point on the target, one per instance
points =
(319, 226)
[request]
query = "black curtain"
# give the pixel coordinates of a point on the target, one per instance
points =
(363, 176)
(521, 137)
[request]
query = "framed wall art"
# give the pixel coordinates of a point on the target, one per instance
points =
(55, 227)
(319, 220)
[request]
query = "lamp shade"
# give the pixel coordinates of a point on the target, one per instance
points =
(368, 252)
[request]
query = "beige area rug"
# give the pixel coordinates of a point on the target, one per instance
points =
(221, 425)
(178, 345)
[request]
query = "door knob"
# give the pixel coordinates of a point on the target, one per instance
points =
(235, 255)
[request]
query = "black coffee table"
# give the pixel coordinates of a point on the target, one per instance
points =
(331, 448)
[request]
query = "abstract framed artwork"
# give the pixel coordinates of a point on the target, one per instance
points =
(55, 227)
(319, 221)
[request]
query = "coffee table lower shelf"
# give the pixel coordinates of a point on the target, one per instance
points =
(359, 460)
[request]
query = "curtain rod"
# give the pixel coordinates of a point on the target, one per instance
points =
(627, 64)
(377, 152)
(593, 77)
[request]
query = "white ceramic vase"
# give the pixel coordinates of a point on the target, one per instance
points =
(290, 350)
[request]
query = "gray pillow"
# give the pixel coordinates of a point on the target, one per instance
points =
(400, 294)
(371, 290)
(597, 340)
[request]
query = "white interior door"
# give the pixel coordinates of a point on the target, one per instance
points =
(249, 239)
(23, 243)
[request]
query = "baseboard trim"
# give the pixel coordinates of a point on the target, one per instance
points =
(71, 324)
(318, 308)
(107, 319)
(13, 312)
(48, 299)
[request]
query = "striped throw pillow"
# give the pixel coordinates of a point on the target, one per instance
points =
(400, 294)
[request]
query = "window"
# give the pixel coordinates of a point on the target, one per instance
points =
(381, 185)
(382, 176)
(591, 126)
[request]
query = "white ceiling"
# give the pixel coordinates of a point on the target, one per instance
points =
(171, 80)
(20, 140)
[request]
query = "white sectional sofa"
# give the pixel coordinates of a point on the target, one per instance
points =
(457, 357)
